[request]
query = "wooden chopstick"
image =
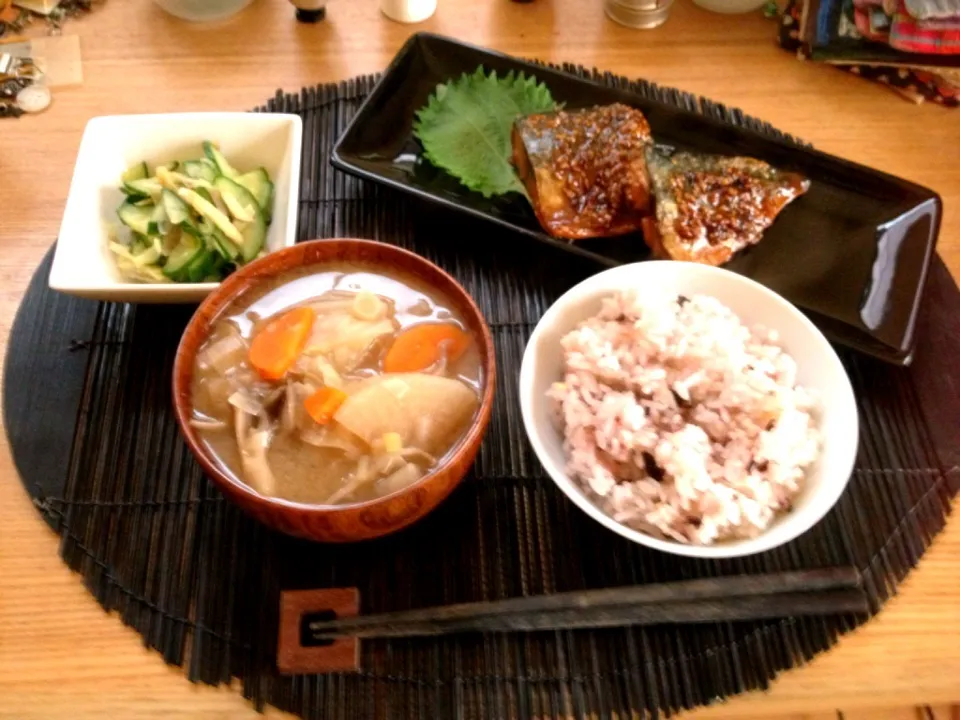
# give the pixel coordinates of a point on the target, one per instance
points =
(719, 610)
(742, 597)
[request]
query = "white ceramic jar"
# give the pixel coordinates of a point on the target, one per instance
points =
(203, 10)
(408, 11)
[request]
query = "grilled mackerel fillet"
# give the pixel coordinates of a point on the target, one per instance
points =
(708, 207)
(585, 171)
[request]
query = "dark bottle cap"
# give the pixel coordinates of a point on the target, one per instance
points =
(311, 16)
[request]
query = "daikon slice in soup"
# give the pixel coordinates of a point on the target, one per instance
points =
(336, 387)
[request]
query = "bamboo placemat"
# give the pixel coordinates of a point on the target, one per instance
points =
(100, 453)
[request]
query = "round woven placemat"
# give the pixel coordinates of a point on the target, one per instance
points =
(100, 453)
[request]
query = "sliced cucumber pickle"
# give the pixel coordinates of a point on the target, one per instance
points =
(191, 219)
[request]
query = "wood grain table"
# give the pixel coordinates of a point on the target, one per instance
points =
(61, 656)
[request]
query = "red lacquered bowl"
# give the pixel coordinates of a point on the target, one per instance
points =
(359, 521)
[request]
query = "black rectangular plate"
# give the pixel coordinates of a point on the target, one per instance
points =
(853, 252)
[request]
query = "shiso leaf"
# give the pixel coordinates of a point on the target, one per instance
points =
(465, 127)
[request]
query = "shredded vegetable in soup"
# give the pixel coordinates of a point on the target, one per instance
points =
(336, 387)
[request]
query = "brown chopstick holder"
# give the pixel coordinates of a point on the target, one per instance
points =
(297, 652)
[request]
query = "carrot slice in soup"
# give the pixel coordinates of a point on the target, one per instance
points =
(324, 403)
(278, 345)
(421, 346)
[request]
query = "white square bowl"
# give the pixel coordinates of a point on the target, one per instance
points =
(83, 264)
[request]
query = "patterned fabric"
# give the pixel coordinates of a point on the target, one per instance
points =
(940, 23)
(910, 35)
(872, 23)
(931, 9)
(915, 84)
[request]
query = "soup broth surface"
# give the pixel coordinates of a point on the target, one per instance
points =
(336, 387)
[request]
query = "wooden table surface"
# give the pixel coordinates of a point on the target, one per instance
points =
(61, 656)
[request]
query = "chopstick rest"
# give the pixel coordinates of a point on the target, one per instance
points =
(327, 627)
(297, 650)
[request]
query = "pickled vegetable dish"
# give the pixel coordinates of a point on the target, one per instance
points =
(336, 387)
(191, 220)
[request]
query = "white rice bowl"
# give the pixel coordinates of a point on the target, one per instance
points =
(689, 409)
(680, 420)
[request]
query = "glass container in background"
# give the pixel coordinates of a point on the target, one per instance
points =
(203, 10)
(730, 6)
(640, 14)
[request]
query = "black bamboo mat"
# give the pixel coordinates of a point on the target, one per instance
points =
(87, 407)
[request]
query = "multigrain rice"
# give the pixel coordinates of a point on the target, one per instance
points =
(682, 422)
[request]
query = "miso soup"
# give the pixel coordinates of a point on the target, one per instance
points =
(336, 387)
